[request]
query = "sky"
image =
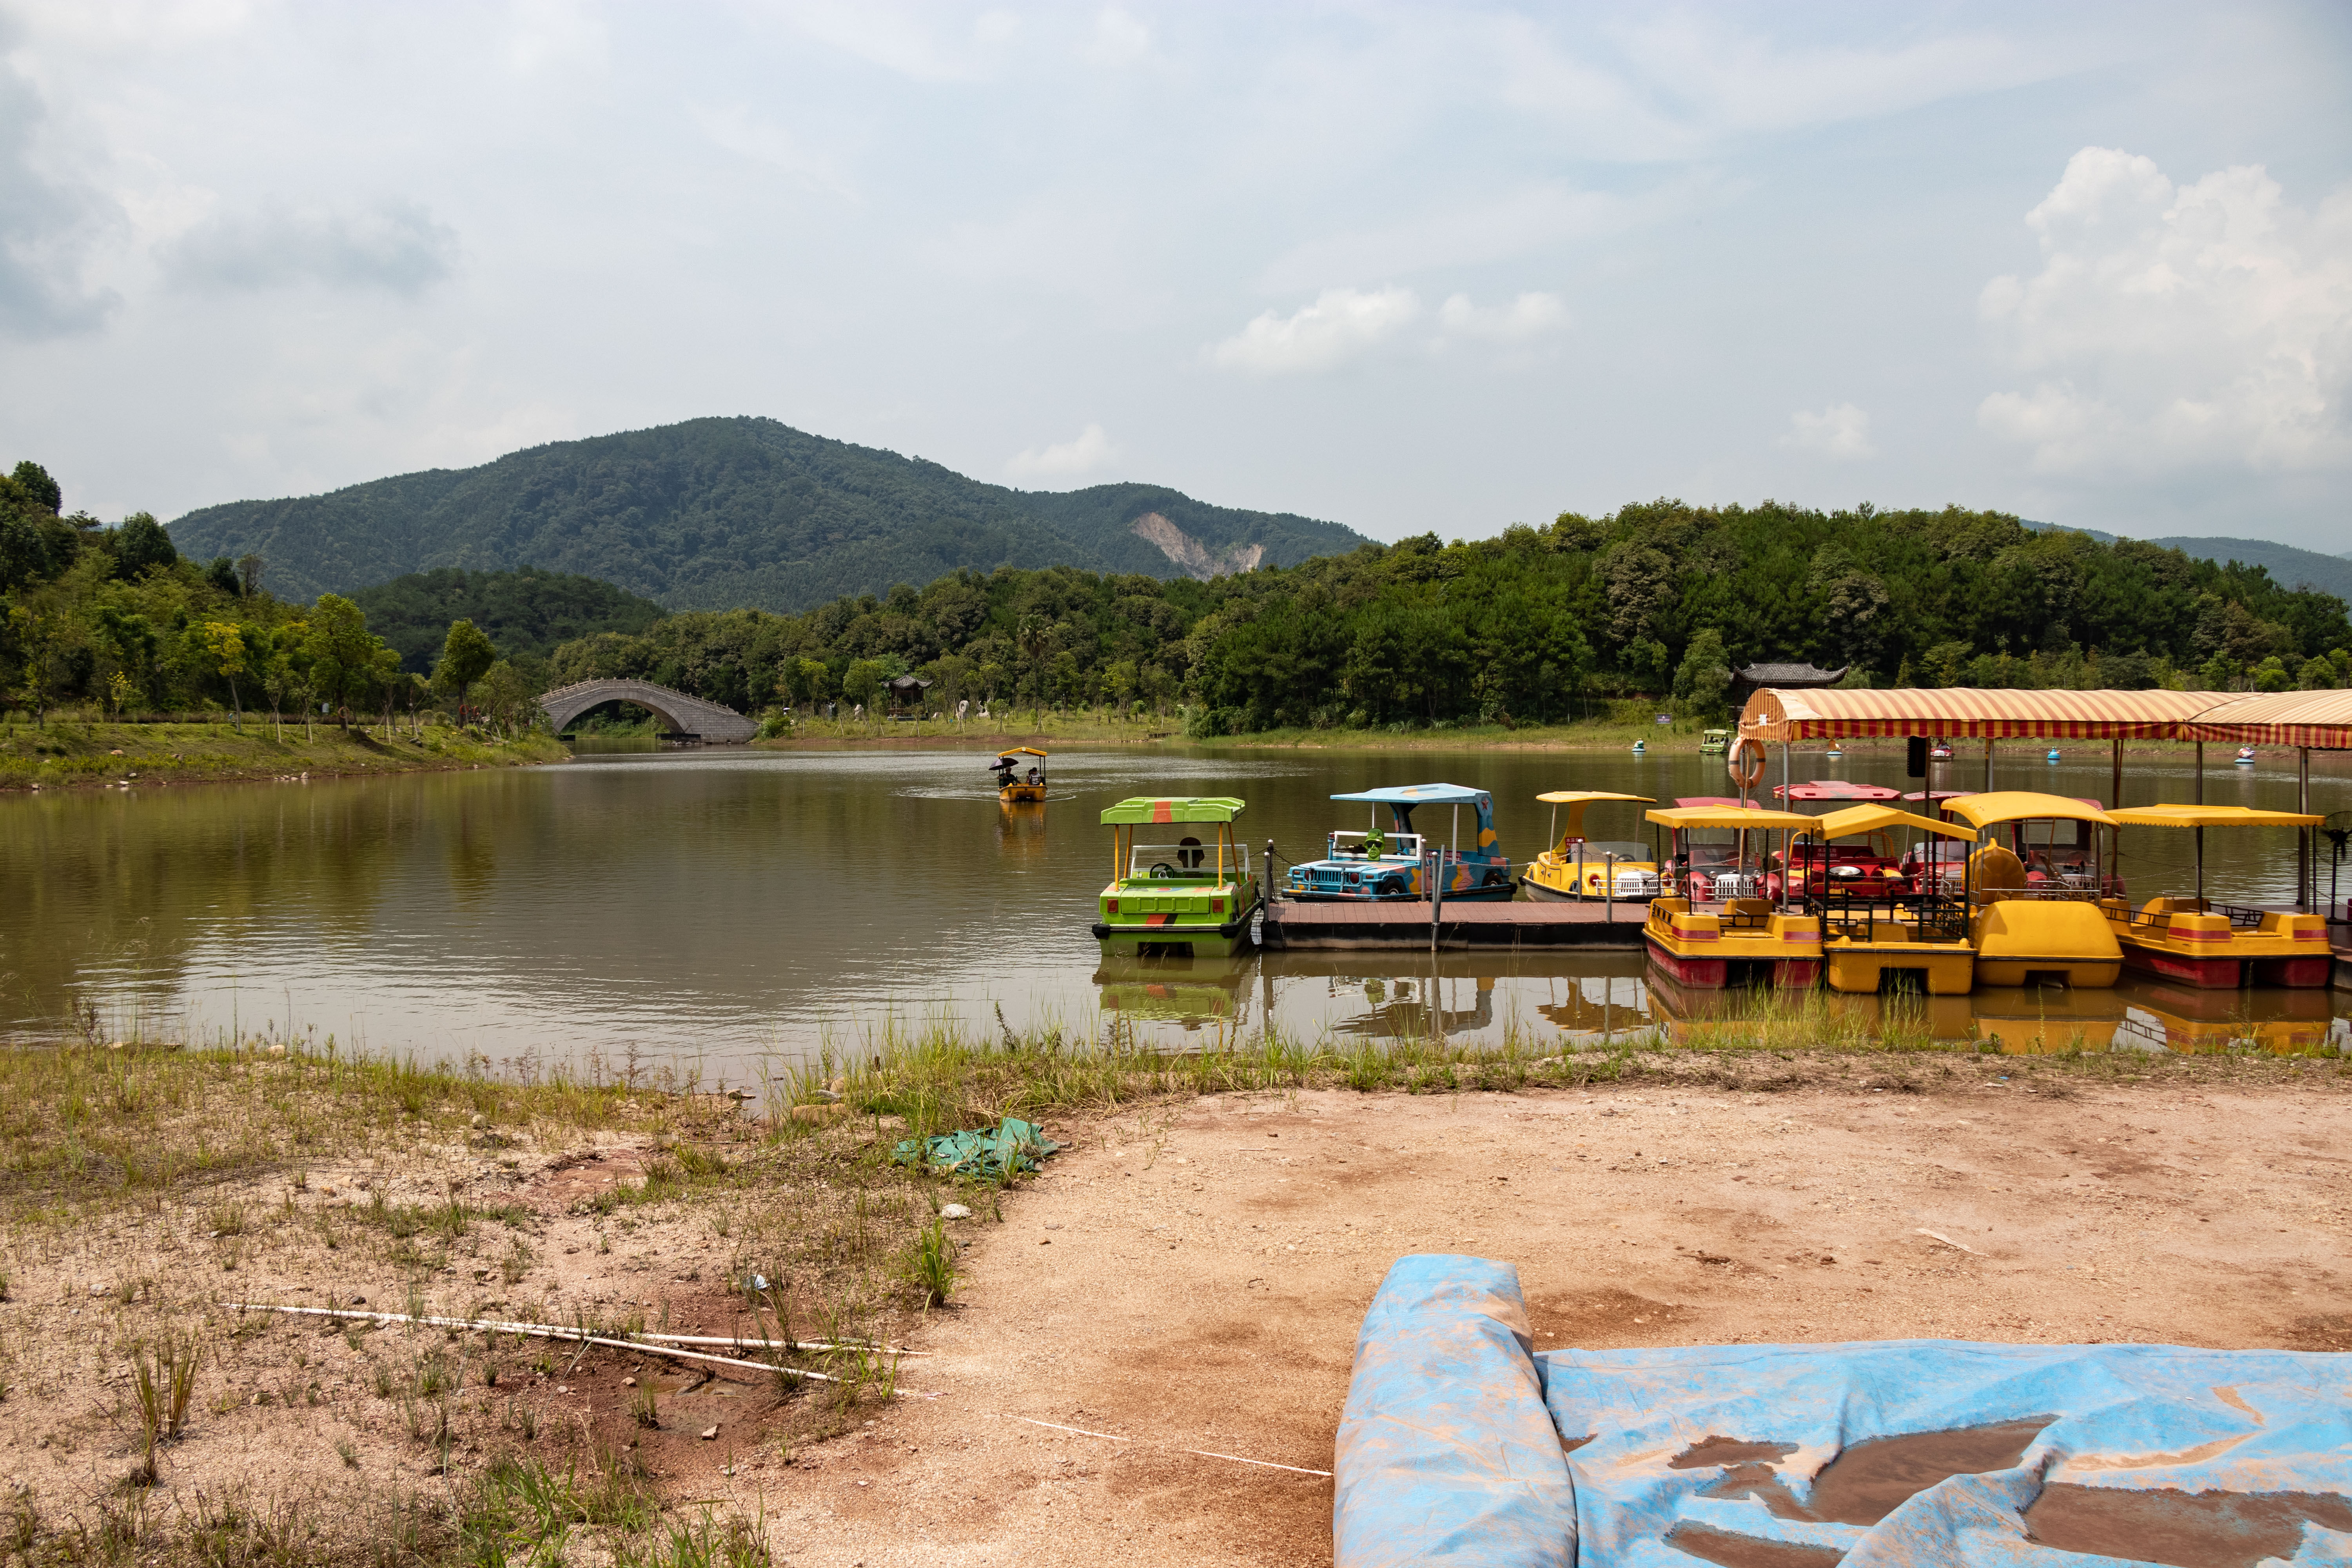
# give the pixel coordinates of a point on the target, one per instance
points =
(1409, 267)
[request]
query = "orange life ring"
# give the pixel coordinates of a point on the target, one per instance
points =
(1745, 763)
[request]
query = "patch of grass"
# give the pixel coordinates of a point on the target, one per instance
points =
(931, 1263)
(163, 1380)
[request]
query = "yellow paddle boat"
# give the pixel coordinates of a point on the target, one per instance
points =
(1016, 785)
(2034, 912)
(2193, 941)
(1877, 934)
(1577, 868)
(1734, 940)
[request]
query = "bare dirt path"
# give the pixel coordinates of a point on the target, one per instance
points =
(1193, 1277)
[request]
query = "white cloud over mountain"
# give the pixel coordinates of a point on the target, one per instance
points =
(1841, 431)
(1090, 452)
(1347, 326)
(2178, 326)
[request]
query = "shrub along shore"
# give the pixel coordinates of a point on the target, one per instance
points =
(81, 752)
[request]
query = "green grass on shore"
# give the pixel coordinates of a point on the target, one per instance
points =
(72, 750)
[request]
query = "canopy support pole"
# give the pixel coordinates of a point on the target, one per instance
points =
(2201, 773)
(2306, 891)
(2200, 868)
(1786, 803)
(1987, 765)
(2115, 783)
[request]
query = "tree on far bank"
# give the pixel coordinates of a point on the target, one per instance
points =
(466, 655)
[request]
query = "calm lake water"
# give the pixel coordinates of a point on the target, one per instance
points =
(721, 908)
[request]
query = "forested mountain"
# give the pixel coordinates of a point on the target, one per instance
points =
(2288, 566)
(1659, 599)
(721, 513)
(525, 613)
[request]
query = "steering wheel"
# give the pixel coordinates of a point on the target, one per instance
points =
(1163, 870)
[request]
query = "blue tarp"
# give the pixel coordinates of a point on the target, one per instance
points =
(1461, 1445)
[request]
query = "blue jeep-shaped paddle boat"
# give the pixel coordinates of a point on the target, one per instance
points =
(1393, 863)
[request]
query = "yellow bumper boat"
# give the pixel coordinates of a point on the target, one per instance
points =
(2193, 941)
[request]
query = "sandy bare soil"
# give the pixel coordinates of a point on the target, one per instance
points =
(1189, 1277)
(1194, 1278)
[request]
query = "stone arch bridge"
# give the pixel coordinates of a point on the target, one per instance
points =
(686, 716)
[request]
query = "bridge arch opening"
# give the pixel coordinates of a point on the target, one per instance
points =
(629, 711)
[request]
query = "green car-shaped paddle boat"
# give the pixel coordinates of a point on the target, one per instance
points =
(1181, 882)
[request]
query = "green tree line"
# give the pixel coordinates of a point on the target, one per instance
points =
(115, 619)
(1659, 600)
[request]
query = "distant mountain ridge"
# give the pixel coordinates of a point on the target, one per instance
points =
(721, 512)
(2288, 565)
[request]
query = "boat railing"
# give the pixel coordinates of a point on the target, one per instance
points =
(2086, 892)
(2241, 917)
(1892, 917)
(1185, 862)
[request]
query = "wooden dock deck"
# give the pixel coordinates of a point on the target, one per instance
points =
(1291, 925)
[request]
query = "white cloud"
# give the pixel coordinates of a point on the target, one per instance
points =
(745, 134)
(556, 34)
(1343, 325)
(1839, 431)
(1089, 453)
(2174, 327)
(1119, 39)
(394, 246)
(1525, 319)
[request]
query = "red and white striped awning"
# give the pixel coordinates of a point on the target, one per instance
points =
(1823, 714)
(2315, 719)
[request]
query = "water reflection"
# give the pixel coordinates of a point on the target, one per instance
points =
(724, 907)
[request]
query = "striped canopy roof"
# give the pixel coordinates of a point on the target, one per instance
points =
(2320, 719)
(1774, 714)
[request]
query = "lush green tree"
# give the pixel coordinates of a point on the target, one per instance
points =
(1704, 675)
(467, 654)
(141, 544)
(340, 653)
(37, 484)
(2270, 676)
(224, 641)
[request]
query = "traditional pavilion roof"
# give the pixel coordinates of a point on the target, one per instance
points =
(1790, 675)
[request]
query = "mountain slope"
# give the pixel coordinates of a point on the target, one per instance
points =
(2296, 568)
(2288, 565)
(715, 513)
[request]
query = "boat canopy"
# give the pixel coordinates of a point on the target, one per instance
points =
(2322, 720)
(1018, 752)
(1858, 819)
(2021, 806)
(1838, 789)
(1586, 796)
(1779, 714)
(1751, 817)
(1417, 794)
(1173, 808)
(1731, 802)
(2213, 817)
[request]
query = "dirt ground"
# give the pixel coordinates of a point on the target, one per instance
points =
(1188, 1276)
(1195, 1278)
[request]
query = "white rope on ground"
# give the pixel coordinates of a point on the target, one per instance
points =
(772, 1345)
(553, 1331)
(1204, 1453)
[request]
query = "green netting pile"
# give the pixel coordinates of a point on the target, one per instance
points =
(988, 1153)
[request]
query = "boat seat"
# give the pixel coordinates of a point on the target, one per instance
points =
(1997, 873)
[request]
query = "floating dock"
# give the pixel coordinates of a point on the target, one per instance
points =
(1292, 925)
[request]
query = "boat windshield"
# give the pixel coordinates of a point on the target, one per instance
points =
(1187, 857)
(1602, 849)
(1392, 847)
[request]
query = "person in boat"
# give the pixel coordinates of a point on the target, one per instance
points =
(1004, 775)
(1032, 776)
